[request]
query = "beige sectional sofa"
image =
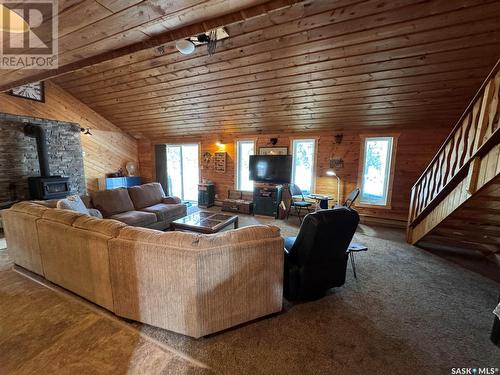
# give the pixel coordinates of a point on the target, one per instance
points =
(193, 284)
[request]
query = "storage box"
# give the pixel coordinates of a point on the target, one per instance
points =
(235, 203)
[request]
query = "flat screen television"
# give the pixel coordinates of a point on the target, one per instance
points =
(271, 168)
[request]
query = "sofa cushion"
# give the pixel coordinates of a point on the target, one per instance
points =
(109, 228)
(62, 216)
(112, 202)
(146, 195)
(49, 203)
(167, 212)
(197, 241)
(136, 218)
(171, 200)
(29, 208)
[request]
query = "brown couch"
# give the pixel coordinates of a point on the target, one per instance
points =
(139, 206)
(193, 284)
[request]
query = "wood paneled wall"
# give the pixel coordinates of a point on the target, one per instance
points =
(415, 149)
(108, 149)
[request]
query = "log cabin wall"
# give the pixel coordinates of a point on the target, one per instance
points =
(415, 148)
(108, 149)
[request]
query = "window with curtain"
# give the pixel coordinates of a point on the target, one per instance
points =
(375, 174)
(244, 149)
(303, 159)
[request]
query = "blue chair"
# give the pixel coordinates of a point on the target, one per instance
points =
(298, 205)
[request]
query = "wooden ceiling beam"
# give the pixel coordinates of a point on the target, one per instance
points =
(156, 41)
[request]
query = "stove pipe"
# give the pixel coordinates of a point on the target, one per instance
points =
(38, 133)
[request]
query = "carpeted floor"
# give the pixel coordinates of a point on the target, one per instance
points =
(409, 311)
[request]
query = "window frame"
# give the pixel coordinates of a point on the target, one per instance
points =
(315, 165)
(237, 141)
(361, 168)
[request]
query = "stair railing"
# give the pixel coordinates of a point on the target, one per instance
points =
(475, 133)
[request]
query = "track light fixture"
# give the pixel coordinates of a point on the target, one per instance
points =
(86, 131)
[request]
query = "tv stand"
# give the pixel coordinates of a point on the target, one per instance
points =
(266, 199)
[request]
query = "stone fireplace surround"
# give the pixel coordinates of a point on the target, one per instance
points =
(19, 158)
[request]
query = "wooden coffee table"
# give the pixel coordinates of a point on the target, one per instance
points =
(204, 222)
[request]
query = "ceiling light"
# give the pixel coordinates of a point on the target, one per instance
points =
(209, 38)
(185, 47)
(16, 24)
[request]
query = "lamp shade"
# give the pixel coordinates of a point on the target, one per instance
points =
(331, 172)
(186, 47)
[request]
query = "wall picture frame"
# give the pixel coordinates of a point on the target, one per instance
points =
(273, 151)
(220, 162)
(32, 91)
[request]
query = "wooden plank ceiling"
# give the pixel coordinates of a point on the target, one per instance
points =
(315, 65)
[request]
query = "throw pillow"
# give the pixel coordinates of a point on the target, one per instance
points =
(73, 203)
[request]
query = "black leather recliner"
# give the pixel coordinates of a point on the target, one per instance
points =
(316, 259)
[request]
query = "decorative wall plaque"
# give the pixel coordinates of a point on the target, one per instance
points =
(220, 162)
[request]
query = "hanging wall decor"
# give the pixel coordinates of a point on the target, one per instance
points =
(220, 162)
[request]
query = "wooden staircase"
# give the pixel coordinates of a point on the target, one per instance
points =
(456, 201)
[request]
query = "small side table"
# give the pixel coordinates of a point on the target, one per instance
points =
(351, 250)
(321, 199)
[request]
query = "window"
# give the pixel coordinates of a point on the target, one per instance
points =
(243, 151)
(376, 170)
(303, 154)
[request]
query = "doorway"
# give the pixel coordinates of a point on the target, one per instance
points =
(183, 171)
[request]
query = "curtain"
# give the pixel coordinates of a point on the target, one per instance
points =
(161, 166)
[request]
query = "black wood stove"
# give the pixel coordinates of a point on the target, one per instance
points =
(45, 186)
